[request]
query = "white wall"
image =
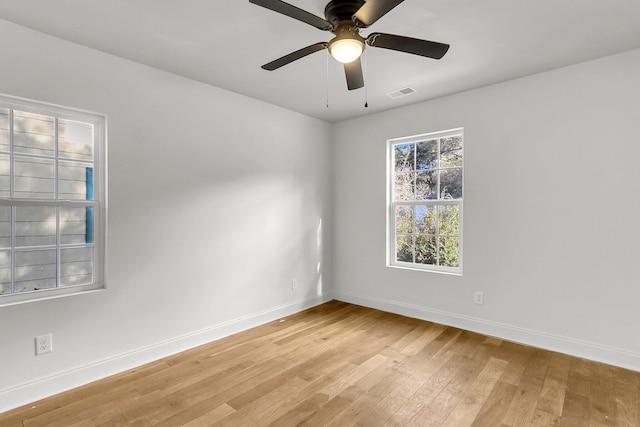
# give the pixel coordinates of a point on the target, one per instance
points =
(551, 210)
(215, 204)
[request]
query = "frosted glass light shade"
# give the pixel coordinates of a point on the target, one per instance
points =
(346, 50)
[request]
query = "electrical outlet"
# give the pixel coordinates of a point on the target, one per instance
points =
(478, 297)
(44, 344)
(294, 284)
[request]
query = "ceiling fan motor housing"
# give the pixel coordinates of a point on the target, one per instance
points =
(340, 13)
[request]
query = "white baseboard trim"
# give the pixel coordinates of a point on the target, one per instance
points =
(32, 391)
(587, 350)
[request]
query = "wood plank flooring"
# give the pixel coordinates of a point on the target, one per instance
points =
(341, 365)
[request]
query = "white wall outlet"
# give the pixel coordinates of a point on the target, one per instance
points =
(478, 297)
(294, 284)
(44, 344)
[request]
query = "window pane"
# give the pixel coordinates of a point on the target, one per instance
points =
(449, 220)
(75, 140)
(4, 129)
(426, 185)
(427, 196)
(35, 270)
(449, 252)
(404, 155)
(451, 183)
(404, 219)
(451, 151)
(76, 266)
(35, 225)
(5, 226)
(49, 208)
(33, 134)
(425, 219)
(404, 251)
(76, 225)
(72, 181)
(426, 250)
(5, 272)
(5, 171)
(34, 178)
(427, 155)
(403, 186)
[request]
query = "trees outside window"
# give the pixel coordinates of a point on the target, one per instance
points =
(425, 189)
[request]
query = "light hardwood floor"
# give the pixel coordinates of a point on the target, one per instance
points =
(340, 365)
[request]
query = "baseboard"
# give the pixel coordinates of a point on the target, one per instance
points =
(23, 394)
(587, 350)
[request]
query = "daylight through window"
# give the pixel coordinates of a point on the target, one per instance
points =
(425, 201)
(51, 200)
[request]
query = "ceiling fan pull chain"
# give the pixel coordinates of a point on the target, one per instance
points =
(327, 79)
(366, 86)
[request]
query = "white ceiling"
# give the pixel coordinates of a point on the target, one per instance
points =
(224, 43)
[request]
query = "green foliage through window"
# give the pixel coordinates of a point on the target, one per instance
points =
(426, 200)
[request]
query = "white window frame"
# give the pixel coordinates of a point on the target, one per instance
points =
(99, 202)
(391, 204)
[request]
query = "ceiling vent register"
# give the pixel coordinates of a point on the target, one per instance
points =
(401, 92)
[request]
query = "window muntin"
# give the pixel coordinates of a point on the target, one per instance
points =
(51, 200)
(425, 192)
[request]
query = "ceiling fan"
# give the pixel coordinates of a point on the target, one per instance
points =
(345, 19)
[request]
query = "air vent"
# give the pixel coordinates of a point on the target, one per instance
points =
(401, 92)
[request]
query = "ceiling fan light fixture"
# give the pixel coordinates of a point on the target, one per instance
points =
(345, 19)
(346, 50)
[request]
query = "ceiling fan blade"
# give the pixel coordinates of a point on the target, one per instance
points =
(294, 56)
(294, 12)
(420, 47)
(353, 70)
(373, 10)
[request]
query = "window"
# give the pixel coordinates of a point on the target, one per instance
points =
(51, 200)
(425, 201)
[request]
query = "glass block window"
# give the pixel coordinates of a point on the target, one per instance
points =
(425, 189)
(51, 200)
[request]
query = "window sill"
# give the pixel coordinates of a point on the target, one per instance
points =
(456, 272)
(29, 297)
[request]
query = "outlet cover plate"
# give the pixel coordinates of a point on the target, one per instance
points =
(44, 344)
(478, 297)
